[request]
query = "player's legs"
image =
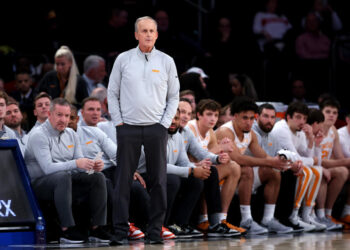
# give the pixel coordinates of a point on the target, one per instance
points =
(230, 174)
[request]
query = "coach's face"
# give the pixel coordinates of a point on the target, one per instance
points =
(146, 34)
(59, 117)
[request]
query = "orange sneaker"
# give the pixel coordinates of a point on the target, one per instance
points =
(346, 219)
(334, 220)
(229, 225)
(203, 226)
(134, 232)
(166, 234)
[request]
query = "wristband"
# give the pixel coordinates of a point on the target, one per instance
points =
(218, 160)
(192, 172)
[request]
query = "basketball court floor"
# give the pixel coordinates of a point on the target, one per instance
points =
(308, 241)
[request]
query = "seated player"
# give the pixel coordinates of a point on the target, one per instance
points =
(238, 130)
(207, 114)
(296, 135)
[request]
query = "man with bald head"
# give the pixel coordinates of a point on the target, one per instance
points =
(143, 96)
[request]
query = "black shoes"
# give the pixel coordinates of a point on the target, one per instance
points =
(221, 230)
(184, 232)
(72, 236)
(99, 235)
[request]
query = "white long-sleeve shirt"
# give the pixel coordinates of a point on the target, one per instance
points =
(295, 142)
(143, 88)
(344, 139)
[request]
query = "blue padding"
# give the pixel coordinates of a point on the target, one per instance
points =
(17, 238)
(22, 168)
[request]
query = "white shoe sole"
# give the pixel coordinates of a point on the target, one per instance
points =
(223, 235)
(98, 240)
(68, 241)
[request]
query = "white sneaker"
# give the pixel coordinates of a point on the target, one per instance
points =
(252, 227)
(274, 226)
(298, 222)
(331, 226)
(312, 221)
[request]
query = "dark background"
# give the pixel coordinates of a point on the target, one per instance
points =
(23, 28)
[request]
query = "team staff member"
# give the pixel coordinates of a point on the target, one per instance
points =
(143, 96)
(58, 173)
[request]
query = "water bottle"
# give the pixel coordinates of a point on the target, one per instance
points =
(40, 231)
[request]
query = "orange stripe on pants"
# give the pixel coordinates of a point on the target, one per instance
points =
(314, 186)
(303, 183)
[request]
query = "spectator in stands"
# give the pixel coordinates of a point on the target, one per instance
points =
(329, 20)
(94, 72)
(64, 81)
(242, 85)
(13, 120)
(116, 34)
(312, 44)
(298, 92)
(56, 165)
(24, 95)
(5, 132)
(41, 108)
(192, 81)
(2, 85)
(271, 27)
(174, 42)
(189, 95)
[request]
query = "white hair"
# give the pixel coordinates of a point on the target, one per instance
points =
(73, 73)
(144, 18)
(91, 62)
(99, 93)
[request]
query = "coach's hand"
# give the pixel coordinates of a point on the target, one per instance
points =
(203, 163)
(84, 163)
(99, 164)
(201, 172)
(138, 177)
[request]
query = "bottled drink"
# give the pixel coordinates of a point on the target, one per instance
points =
(40, 231)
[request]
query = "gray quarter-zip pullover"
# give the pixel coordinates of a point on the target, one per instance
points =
(143, 88)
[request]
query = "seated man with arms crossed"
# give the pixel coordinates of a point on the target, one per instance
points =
(58, 173)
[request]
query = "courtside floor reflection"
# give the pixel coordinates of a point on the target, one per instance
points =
(308, 241)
